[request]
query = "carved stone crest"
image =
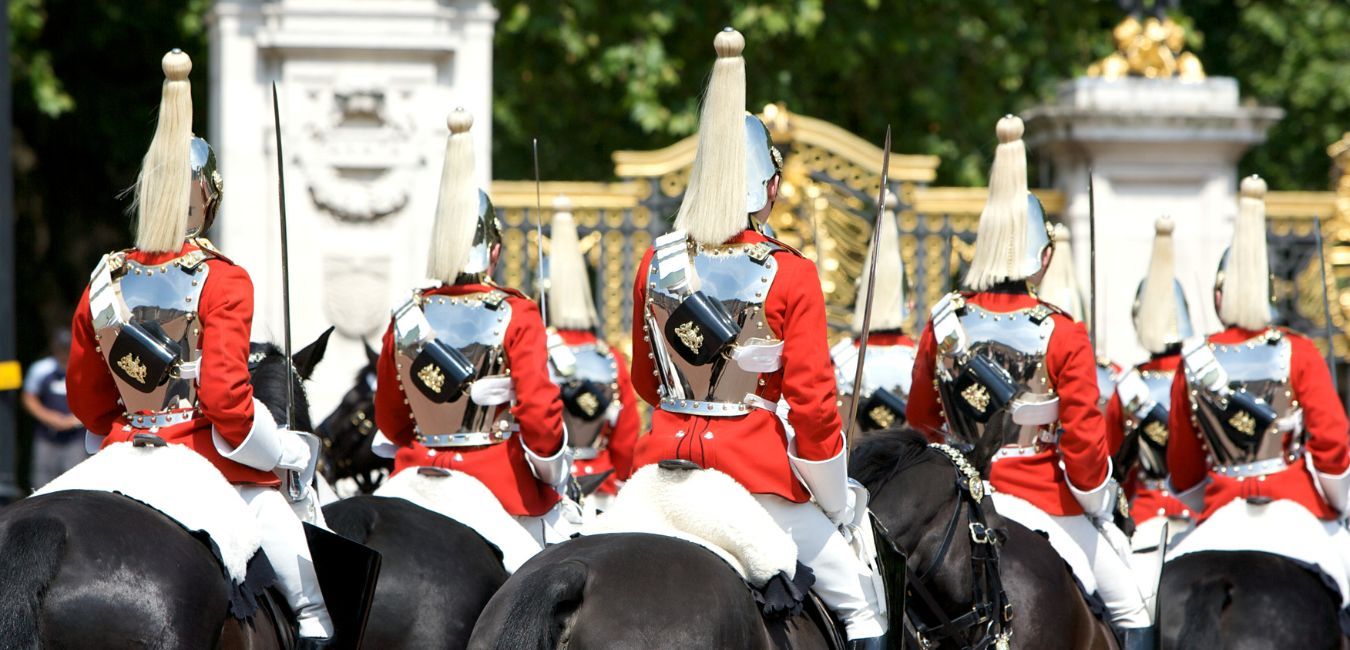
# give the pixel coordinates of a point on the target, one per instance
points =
(359, 156)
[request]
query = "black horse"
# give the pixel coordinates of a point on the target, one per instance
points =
(437, 574)
(632, 590)
(347, 434)
(85, 569)
(1246, 599)
(920, 497)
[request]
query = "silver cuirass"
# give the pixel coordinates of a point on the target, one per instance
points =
(165, 295)
(738, 276)
(1260, 368)
(888, 367)
(474, 325)
(1016, 342)
(588, 423)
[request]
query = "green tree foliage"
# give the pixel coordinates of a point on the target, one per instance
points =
(590, 76)
(1289, 53)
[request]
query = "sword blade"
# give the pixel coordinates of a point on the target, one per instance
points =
(285, 265)
(851, 425)
(1326, 305)
(539, 235)
(1092, 261)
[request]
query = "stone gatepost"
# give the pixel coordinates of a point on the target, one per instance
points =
(364, 88)
(1167, 143)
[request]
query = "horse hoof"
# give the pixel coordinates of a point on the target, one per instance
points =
(147, 440)
(678, 464)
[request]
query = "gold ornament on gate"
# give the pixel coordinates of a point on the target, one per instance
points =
(432, 378)
(690, 335)
(133, 367)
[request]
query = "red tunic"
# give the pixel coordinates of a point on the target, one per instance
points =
(618, 452)
(224, 391)
(1323, 418)
(1145, 503)
(1073, 373)
(538, 411)
(752, 448)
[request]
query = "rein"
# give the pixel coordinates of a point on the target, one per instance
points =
(988, 622)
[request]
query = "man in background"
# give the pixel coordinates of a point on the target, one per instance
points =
(58, 437)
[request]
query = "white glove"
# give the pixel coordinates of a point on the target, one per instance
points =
(844, 516)
(295, 453)
(1098, 502)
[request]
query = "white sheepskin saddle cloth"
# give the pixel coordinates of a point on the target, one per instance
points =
(1021, 511)
(705, 507)
(179, 483)
(465, 499)
(1281, 527)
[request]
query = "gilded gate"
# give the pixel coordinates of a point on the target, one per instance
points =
(825, 210)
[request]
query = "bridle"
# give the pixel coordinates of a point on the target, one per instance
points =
(988, 623)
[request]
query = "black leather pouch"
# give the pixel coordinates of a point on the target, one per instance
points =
(440, 372)
(143, 356)
(585, 399)
(882, 410)
(984, 387)
(1246, 419)
(700, 328)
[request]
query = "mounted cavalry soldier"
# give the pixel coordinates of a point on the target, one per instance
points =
(890, 353)
(458, 353)
(1137, 416)
(599, 406)
(161, 345)
(1258, 434)
(1013, 378)
(732, 321)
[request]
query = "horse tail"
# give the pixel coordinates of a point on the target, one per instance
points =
(537, 610)
(29, 559)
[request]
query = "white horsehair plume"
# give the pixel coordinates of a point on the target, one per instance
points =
(1246, 281)
(1059, 285)
(457, 208)
(1001, 241)
(888, 303)
(1156, 323)
(713, 209)
(163, 188)
(570, 303)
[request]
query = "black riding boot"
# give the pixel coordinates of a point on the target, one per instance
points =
(312, 643)
(870, 643)
(1139, 638)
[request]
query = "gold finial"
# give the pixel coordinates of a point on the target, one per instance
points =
(1151, 49)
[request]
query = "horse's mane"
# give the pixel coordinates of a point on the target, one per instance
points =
(268, 367)
(883, 454)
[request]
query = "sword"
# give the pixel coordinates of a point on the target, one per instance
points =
(949, 250)
(539, 235)
(293, 482)
(851, 424)
(1092, 262)
(1326, 304)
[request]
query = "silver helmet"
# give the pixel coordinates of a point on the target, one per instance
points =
(762, 162)
(487, 235)
(207, 187)
(1183, 329)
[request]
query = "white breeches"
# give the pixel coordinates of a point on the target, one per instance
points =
(1340, 537)
(843, 582)
(283, 539)
(1092, 558)
(555, 526)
